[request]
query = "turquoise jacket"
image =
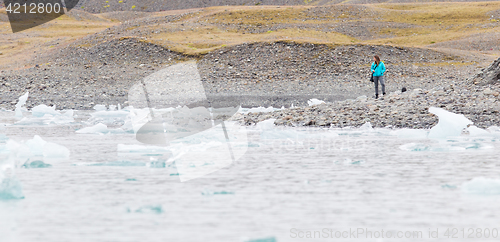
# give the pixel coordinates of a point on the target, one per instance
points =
(380, 69)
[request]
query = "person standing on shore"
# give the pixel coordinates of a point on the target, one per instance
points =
(378, 70)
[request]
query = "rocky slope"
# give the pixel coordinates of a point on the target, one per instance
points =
(261, 74)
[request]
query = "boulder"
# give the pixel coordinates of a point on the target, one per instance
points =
(490, 75)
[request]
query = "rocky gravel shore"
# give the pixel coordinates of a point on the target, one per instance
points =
(259, 74)
(273, 74)
(479, 103)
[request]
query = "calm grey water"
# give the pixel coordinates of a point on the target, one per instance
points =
(290, 183)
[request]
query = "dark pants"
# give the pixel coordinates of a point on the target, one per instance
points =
(380, 79)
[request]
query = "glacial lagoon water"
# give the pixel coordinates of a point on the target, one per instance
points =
(290, 184)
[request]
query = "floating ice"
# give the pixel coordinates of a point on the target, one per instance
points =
(110, 115)
(448, 186)
(211, 193)
(36, 164)
(19, 106)
(315, 101)
(45, 115)
(258, 110)
(269, 239)
(208, 151)
(96, 129)
(153, 209)
(99, 107)
(112, 163)
(449, 124)
(266, 124)
(41, 110)
(40, 147)
(366, 126)
(99, 129)
(482, 186)
(10, 187)
(444, 147)
(36, 149)
(3, 138)
(348, 161)
(475, 131)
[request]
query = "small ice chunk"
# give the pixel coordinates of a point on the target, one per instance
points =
(10, 188)
(96, 129)
(154, 209)
(475, 131)
(39, 147)
(45, 115)
(450, 124)
(36, 164)
(315, 101)
(259, 110)
(53, 150)
(482, 186)
(268, 239)
(366, 126)
(41, 110)
(211, 193)
(266, 124)
(124, 163)
(19, 106)
(99, 107)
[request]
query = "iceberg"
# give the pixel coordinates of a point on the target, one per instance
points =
(99, 129)
(211, 193)
(10, 187)
(269, 239)
(475, 131)
(36, 164)
(36, 149)
(96, 129)
(112, 163)
(266, 124)
(152, 209)
(109, 116)
(39, 147)
(41, 110)
(45, 115)
(315, 101)
(446, 146)
(366, 126)
(482, 186)
(20, 105)
(100, 107)
(258, 110)
(449, 125)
